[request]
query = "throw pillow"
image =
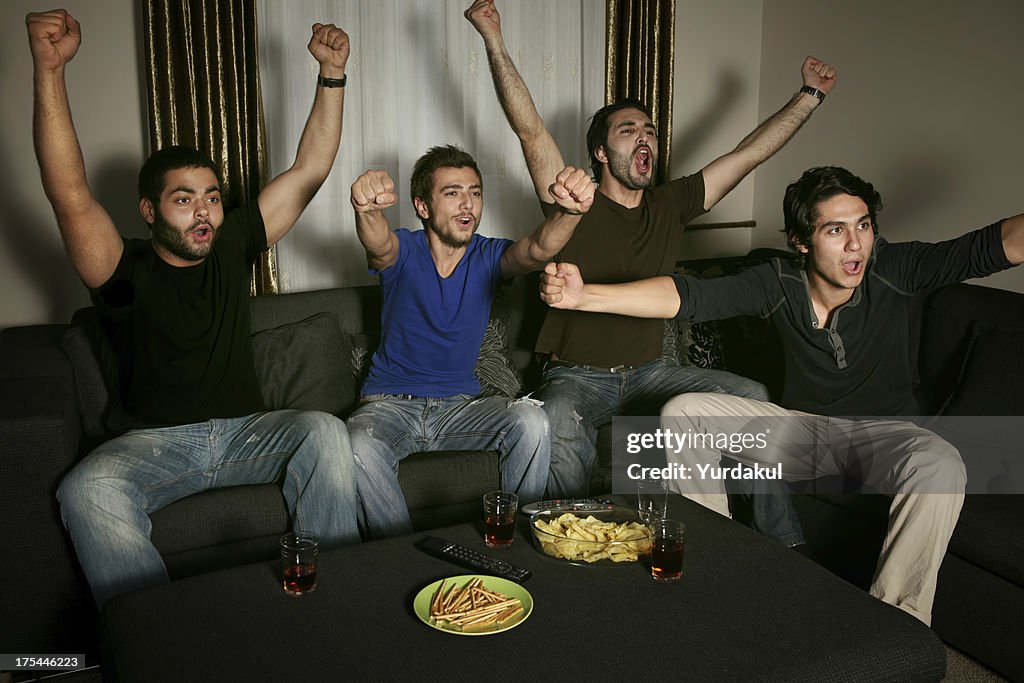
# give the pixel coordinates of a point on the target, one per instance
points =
(989, 382)
(97, 377)
(494, 368)
(306, 366)
(363, 345)
(90, 386)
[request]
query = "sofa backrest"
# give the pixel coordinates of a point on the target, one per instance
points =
(357, 308)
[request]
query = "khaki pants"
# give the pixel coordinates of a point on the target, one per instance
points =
(923, 473)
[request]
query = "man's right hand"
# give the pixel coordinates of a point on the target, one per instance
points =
(373, 191)
(484, 17)
(561, 285)
(54, 37)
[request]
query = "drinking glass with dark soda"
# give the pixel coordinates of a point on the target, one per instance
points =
(500, 509)
(667, 549)
(298, 559)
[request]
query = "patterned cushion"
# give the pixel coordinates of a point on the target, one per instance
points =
(743, 345)
(494, 367)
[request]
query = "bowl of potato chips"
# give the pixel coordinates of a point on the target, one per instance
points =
(606, 536)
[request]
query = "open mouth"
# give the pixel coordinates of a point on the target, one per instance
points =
(465, 220)
(643, 160)
(853, 267)
(202, 232)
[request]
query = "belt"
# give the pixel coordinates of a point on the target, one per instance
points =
(564, 364)
(402, 397)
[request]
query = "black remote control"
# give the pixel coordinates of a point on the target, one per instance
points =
(471, 559)
(581, 504)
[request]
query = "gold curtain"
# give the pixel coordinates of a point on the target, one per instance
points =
(204, 92)
(641, 49)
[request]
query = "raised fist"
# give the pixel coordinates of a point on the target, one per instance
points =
(373, 191)
(484, 17)
(329, 45)
(573, 190)
(54, 37)
(818, 74)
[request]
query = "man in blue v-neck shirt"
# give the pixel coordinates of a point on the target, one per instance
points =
(438, 284)
(843, 315)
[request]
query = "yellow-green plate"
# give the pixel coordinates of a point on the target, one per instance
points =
(421, 604)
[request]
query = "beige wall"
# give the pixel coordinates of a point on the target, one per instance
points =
(715, 105)
(36, 282)
(928, 107)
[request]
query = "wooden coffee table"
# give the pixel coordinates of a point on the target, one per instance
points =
(745, 609)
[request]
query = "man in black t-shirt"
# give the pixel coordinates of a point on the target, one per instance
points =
(843, 315)
(176, 309)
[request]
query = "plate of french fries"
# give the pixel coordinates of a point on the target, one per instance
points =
(591, 537)
(473, 605)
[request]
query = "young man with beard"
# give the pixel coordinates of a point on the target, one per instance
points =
(176, 309)
(603, 364)
(844, 319)
(438, 284)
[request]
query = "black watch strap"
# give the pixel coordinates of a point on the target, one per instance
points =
(813, 91)
(334, 82)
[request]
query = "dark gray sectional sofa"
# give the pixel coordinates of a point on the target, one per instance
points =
(51, 411)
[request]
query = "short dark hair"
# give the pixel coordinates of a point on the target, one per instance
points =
(153, 172)
(446, 156)
(800, 204)
(597, 134)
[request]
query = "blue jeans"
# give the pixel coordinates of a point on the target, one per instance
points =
(385, 429)
(578, 399)
(106, 499)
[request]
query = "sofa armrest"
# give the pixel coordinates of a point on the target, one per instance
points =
(41, 585)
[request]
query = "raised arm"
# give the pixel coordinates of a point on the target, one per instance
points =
(90, 237)
(543, 158)
(573, 191)
(562, 286)
(373, 192)
(725, 172)
(285, 197)
(1013, 239)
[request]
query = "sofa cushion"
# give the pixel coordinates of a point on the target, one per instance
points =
(305, 365)
(990, 534)
(444, 477)
(445, 487)
(989, 382)
(219, 528)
